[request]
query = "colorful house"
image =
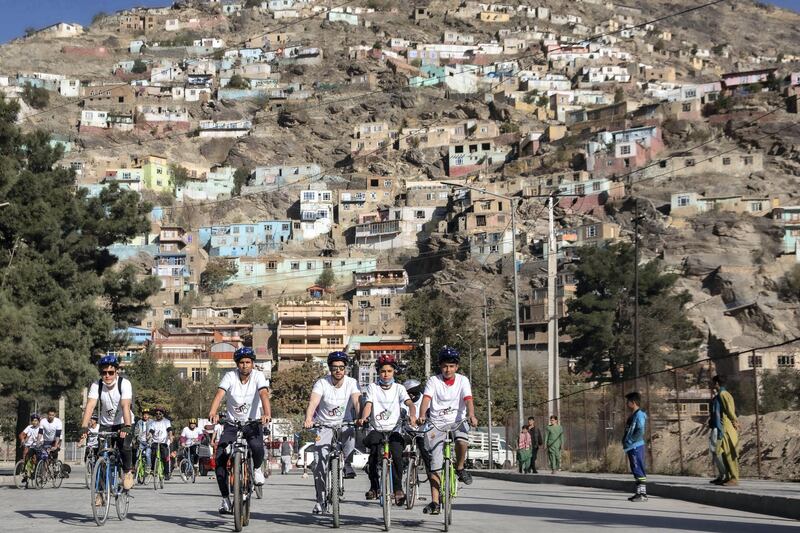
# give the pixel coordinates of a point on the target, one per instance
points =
(246, 240)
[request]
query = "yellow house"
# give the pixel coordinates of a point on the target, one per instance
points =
(491, 16)
(157, 174)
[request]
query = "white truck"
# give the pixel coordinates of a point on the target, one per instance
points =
(478, 453)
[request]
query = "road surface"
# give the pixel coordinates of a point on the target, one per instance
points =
(488, 506)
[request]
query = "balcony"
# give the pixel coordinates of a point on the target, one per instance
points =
(377, 229)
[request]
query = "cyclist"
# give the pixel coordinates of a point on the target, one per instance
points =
(92, 441)
(191, 436)
(247, 398)
(383, 403)
(449, 397)
(52, 428)
(112, 395)
(30, 436)
(333, 398)
(414, 389)
(161, 430)
(141, 432)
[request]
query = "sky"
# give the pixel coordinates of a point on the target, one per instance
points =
(21, 14)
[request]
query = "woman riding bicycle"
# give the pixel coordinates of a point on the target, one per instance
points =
(383, 408)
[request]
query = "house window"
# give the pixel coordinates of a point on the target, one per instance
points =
(284, 227)
(363, 304)
(458, 149)
(755, 206)
(272, 265)
(309, 265)
(198, 374)
(596, 186)
(683, 201)
(755, 361)
(702, 408)
(259, 293)
(250, 229)
(493, 249)
(419, 214)
(686, 107)
(308, 196)
(386, 301)
(690, 162)
(580, 190)
(485, 146)
(786, 361)
(625, 150)
(387, 184)
(167, 312)
(480, 220)
(236, 229)
(326, 196)
(726, 161)
(295, 265)
(591, 232)
(267, 227)
(327, 264)
(748, 160)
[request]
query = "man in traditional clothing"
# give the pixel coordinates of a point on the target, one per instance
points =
(715, 434)
(554, 439)
(726, 445)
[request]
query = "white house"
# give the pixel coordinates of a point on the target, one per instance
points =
(316, 213)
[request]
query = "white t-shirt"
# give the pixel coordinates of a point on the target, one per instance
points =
(92, 437)
(243, 401)
(218, 428)
(161, 430)
(49, 429)
(448, 402)
(417, 405)
(386, 405)
(110, 413)
(191, 436)
(31, 435)
(334, 402)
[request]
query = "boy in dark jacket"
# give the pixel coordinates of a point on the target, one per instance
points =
(633, 444)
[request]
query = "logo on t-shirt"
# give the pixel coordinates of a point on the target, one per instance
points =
(446, 411)
(242, 408)
(336, 411)
(383, 416)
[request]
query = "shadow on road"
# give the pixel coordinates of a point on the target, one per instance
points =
(647, 521)
(72, 519)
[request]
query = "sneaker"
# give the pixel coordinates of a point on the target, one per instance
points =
(730, 483)
(127, 481)
(399, 497)
(349, 472)
(98, 500)
(225, 506)
(318, 509)
(258, 476)
(371, 495)
(638, 498)
(432, 508)
(464, 477)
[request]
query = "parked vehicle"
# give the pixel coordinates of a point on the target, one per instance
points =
(478, 453)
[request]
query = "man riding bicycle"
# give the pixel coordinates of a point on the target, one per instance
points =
(247, 398)
(141, 433)
(162, 435)
(30, 436)
(333, 397)
(52, 428)
(414, 390)
(112, 395)
(92, 441)
(383, 407)
(191, 436)
(448, 395)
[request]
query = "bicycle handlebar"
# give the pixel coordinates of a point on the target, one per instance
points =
(334, 426)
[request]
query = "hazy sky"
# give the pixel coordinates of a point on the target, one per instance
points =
(20, 14)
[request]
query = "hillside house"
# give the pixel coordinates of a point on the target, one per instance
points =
(163, 117)
(316, 213)
(789, 218)
(688, 204)
(733, 80)
(224, 128)
(218, 185)
(245, 240)
(114, 96)
(378, 302)
(276, 273)
(614, 153)
(470, 157)
(308, 331)
(734, 163)
(61, 30)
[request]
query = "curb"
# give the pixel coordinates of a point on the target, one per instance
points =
(781, 506)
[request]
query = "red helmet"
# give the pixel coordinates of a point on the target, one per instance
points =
(385, 360)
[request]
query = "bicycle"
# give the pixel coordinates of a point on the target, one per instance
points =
(91, 459)
(158, 469)
(448, 480)
(414, 461)
(334, 479)
(24, 471)
(186, 466)
(48, 470)
(386, 484)
(107, 477)
(143, 469)
(240, 475)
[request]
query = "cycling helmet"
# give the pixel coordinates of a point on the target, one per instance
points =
(146, 411)
(108, 360)
(193, 421)
(337, 356)
(245, 352)
(35, 416)
(385, 360)
(448, 354)
(411, 384)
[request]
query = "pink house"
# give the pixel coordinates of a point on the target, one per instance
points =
(616, 153)
(737, 79)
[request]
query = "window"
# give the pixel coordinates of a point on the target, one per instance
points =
(327, 264)
(386, 301)
(167, 312)
(236, 229)
(726, 161)
(308, 196)
(702, 408)
(198, 374)
(295, 265)
(786, 361)
(272, 265)
(259, 293)
(326, 196)
(250, 229)
(480, 220)
(591, 232)
(687, 108)
(580, 190)
(419, 214)
(457, 149)
(284, 227)
(683, 200)
(363, 304)
(690, 162)
(625, 149)
(596, 186)
(485, 146)
(755, 206)
(493, 249)
(309, 265)
(755, 361)
(748, 160)
(387, 184)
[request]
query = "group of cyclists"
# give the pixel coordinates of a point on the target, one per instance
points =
(388, 409)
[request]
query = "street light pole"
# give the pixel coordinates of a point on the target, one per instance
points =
(488, 380)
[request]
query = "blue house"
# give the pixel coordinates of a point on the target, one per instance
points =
(245, 240)
(789, 216)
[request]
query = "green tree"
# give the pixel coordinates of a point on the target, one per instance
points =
(781, 390)
(139, 67)
(238, 82)
(99, 16)
(53, 252)
(252, 3)
(179, 174)
(257, 313)
(601, 316)
(36, 97)
(216, 275)
(291, 389)
(155, 382)
(789, 285)
(240, 179)
(327, 278)
(127, 291)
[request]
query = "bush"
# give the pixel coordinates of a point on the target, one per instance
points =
(35, 97)
(139, 67)
(238, 82)
(789, 285)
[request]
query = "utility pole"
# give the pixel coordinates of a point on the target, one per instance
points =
(427, 357)
(553, 392)
(636, 220)
(520, 412)
(488, 379)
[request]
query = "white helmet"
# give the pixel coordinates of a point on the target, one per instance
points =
(411, 384)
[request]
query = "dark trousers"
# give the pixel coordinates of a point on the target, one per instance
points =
(125, 446)
(164, 457)
(191, 451)
(255, 441)
(374, 440)
(532, 467)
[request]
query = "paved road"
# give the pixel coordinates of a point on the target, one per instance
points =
(482, 507)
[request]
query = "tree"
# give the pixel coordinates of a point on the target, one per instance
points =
(327, 278)
(238, 82)
(789, 285)
(292, 388)
(252, 3)
(139, 67)
(257, 313)
(36, 97)
(179, 175)
(216, 275)
(154, 382)
(240, 179)
(601, 316)
(127, 295)
(619, 95)
(99, 16)
(781, 390)
(53, 256)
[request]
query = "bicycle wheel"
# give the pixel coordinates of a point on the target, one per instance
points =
(141, 470)
(452, 493)
(444, 493)
(56, 468)
(412, 482)
(121, 495)
(157, 471)
(20, 474)
(247, 483)
(89, 463)
(238, 504)
(183, 468)
(386, 493)
(100, 495)
(40, 475)
(334, 489)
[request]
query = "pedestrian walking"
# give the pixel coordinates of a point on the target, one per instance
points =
(286, 456)
(726, 445)
(554, 439)
(524, 451)
(714, 436)
(536, 443)
(633, 444)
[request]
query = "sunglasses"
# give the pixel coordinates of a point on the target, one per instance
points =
(335, 368)
(108, 372)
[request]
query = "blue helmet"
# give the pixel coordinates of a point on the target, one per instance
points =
(108, 360)
(244, 352)
(337, 356)
(35, 416)
(448, 354)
